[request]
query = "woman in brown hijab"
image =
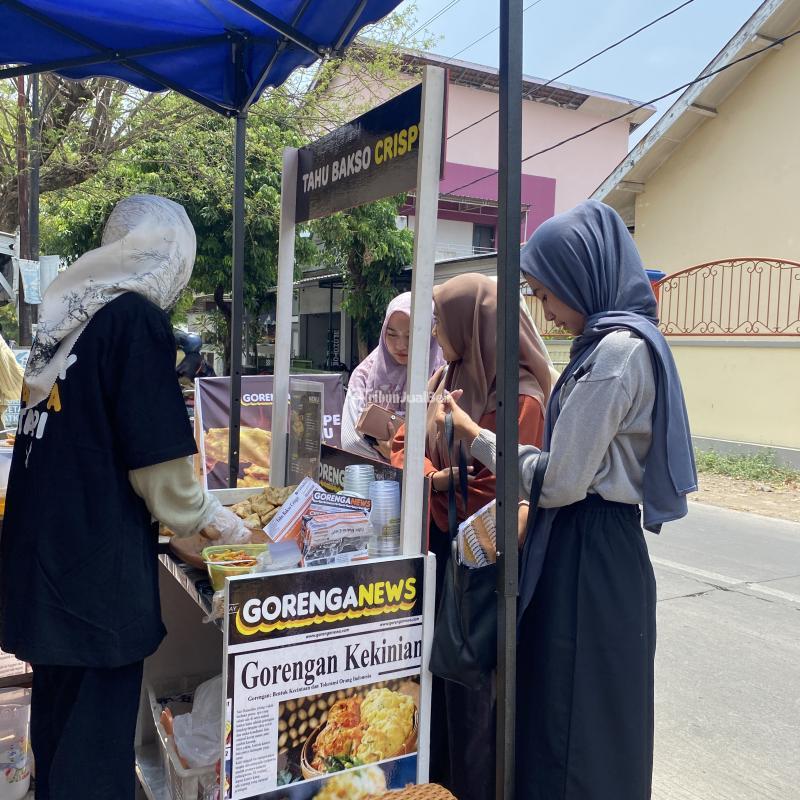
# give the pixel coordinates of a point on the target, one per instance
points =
(462, 731)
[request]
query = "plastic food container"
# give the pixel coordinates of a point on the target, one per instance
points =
(217, 572)
(15, 775)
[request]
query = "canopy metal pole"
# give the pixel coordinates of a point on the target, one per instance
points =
(283, 319)
(35, 158)
(237, 297)
(508, 195)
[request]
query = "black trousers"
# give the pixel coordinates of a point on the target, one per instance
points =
(585, 661)
(83, 723)
(462, 720)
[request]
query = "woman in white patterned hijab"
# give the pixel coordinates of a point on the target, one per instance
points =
(148, 247)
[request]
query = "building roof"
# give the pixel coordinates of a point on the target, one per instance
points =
(479, 76)
(772, 20)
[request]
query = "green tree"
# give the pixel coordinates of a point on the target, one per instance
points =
(185, 152)
(193, 166)
(85, 125)
(369, 248)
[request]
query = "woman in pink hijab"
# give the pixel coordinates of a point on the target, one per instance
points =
(381, 378)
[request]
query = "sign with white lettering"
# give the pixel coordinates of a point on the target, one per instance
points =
(322, 676)
(373, 156)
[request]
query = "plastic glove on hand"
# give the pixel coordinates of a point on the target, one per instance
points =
(225, 527)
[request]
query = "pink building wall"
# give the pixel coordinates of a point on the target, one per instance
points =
(578, 167)
(553, 182)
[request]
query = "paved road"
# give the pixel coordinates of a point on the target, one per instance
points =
(728, 661)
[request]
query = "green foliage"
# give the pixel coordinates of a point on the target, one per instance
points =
(104, 141)
(85, 126)
(8, 319)
(179, 313)
(759, 467)
(193, 166)
(366, 244)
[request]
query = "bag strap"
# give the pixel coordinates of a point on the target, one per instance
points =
(452, 509)
(536, 490)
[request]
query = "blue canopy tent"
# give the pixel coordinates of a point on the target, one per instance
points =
(220, 53)
(223, 54)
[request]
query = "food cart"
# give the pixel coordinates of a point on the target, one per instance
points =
(298, 647)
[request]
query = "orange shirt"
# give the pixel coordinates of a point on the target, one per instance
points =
(482, 489)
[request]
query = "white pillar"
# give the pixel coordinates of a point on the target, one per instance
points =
(283, 319)
(428, 170)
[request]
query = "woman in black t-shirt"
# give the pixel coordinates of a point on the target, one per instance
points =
(101, 448)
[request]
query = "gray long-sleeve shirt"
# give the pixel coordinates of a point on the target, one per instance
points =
(603, 431)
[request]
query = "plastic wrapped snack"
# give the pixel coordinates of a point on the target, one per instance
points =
(336, 529)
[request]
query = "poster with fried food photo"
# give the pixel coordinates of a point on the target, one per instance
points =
(323, 675)
(212, 421)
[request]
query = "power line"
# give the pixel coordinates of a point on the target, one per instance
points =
(581, 64)
(436, 16)
(487, 34)
(705, 77)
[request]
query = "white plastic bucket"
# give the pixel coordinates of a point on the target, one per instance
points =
(15, 713)
(5, 467)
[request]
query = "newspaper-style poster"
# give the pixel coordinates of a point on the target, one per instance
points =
(212, 421)
(323, 670)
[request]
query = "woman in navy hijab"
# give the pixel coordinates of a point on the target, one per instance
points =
(617, 434)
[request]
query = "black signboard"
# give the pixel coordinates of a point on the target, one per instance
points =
(371, 157)
(302, 644)
(333, 462)
(312, 601)
(305, 429)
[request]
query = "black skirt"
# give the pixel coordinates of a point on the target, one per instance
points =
(585, 661)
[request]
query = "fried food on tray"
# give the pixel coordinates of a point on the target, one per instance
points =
(257, 511)
(243, 509)
(269, 515)
(278, 496)
(261, 505)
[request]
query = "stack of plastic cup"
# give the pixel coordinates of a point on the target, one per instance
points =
(385, 518)
(358, 478)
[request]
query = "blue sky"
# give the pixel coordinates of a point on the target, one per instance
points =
(561, 33)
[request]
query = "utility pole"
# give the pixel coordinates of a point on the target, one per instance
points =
(36, 160)
(23, 208)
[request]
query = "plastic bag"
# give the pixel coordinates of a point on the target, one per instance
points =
(278, 556)
(217, 607)
(197, 734)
